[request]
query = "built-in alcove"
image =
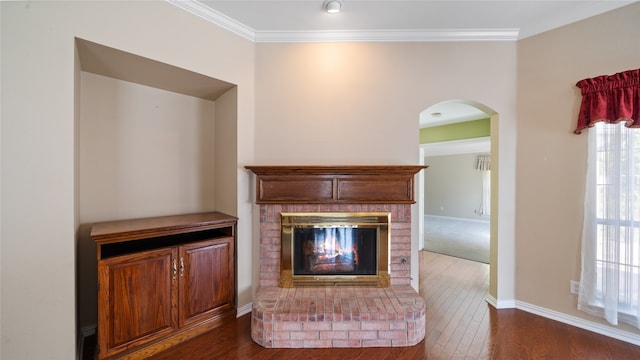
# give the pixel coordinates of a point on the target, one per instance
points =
(152, 139)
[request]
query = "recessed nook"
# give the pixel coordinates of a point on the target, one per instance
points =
(152, 139)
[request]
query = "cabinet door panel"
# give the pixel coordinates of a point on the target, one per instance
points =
(140, 298)
(207, 281)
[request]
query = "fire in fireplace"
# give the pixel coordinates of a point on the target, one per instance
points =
(335, 249)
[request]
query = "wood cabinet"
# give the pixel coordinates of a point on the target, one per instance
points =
(162, 280)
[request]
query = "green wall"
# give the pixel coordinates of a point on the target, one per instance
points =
(456, 131)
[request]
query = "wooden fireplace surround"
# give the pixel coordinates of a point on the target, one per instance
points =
(390, 184)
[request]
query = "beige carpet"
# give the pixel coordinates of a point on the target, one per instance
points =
(457, 237)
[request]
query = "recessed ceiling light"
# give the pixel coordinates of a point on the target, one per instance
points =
(333, 6)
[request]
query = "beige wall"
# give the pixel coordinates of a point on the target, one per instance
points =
(143, 151)
(40, 135)
(354, 103)
(453, 186)
(551, 159)
(358, 103)
(226, 153)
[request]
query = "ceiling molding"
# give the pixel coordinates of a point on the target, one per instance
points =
(213, 16)
(388, 35)
(206, 13)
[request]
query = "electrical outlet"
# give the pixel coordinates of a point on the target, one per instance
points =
(574, 286)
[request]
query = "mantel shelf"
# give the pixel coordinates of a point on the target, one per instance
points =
(382, 184)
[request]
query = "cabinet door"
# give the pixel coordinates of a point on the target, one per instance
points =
(206, 279)
(137, 299)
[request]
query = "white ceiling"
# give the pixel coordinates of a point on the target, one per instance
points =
(394, 20)
(448, 112)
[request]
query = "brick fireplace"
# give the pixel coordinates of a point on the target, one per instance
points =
(336, 316)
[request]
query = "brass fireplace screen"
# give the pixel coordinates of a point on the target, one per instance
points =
(335, 249)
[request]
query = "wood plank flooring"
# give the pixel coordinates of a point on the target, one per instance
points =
(460, 325)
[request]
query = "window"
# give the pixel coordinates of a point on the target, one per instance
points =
(611, 235)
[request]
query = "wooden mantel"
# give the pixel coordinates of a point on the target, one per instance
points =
(380, 184)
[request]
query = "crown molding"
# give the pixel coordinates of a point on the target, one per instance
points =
(206, 13)
(418, 35)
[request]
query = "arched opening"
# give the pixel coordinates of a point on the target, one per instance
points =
(459, 133)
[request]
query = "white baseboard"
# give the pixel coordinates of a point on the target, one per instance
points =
(580, 323)
(500, 304)
(243, 310)
(481, 219)
(595, 327)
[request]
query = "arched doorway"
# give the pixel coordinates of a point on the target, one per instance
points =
(463, 113)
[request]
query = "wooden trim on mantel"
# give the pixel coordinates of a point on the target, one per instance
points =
(380, 184)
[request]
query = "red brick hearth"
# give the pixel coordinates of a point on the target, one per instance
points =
(336, 316)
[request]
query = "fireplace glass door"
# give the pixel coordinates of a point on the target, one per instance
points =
(332, 249)
(335, 250)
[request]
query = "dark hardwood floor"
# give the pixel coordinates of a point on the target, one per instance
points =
(460, 325)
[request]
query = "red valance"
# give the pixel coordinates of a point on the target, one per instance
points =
(611, 99)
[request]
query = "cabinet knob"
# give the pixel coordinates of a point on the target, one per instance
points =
(181, 266)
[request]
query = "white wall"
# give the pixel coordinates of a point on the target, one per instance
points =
(453, 186)
(40, 105)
